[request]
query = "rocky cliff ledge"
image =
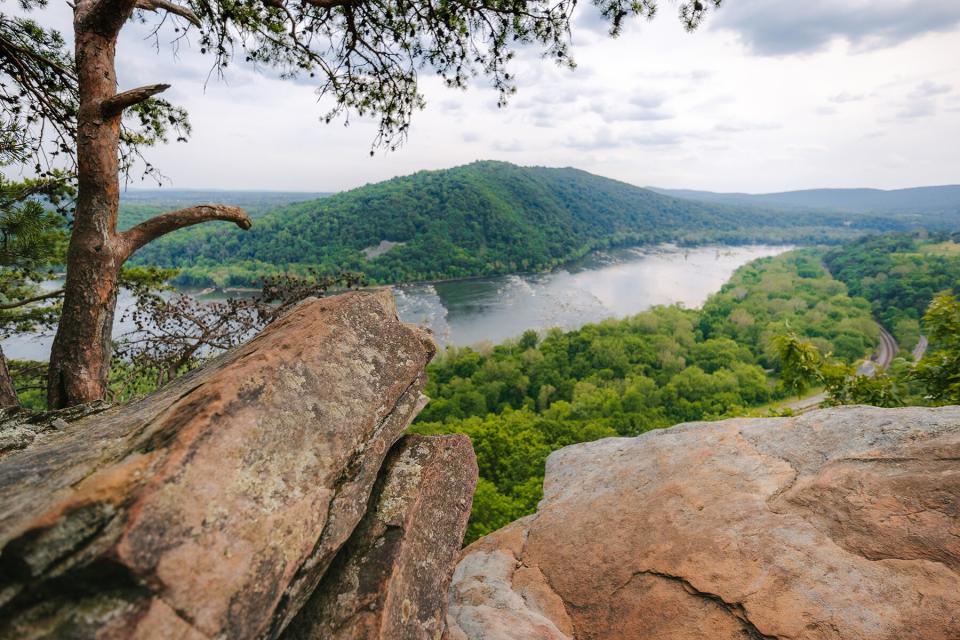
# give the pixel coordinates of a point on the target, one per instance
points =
(841, 524)
(249, 499)
(272, 494)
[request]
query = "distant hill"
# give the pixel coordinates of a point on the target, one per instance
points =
(479, 219)
(920, 202)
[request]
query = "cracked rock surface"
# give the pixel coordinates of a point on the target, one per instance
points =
(390, 580)
(213, 508)
(838, 524)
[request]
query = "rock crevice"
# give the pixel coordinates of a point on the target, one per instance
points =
(735, 609)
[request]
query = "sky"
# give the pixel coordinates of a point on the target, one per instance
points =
(768, 95)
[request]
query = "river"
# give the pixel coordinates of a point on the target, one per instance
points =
(605, 284)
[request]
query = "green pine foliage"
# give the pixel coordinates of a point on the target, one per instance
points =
(520, 400)
(33, 240)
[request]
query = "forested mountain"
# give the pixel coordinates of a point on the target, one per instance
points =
(926, 204)
(478, 219)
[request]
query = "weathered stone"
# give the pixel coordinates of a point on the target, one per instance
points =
(19, 427)
(840, 524)
(390, 580)
(213, 507)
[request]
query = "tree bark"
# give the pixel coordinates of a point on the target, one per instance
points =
(115, 105)
(148, 231)
(80, 355)
(8, 393)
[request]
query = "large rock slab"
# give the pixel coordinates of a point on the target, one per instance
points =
(214, 507)
(390, 580)
(840, 524)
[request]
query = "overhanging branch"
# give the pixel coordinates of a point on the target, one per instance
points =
(145, 232)
(115, 105)
(26, 301)
(171, 7)
(329, 4)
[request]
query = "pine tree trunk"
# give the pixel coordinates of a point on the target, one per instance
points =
(80, 356)
(8, 393)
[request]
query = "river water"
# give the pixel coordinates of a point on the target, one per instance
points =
(605, 284)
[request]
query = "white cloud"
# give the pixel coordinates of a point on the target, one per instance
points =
(729, 107)
(929, 88)
(920, 109)
(508, 146)
(845, 96)
(742, 126)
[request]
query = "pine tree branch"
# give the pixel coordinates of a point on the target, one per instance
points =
(329, 4)
(26, 301)
(7, 45)
(115, 105)
(145, 232)
(171, 7)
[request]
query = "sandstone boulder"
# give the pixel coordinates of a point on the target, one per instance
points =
(214, 507)
(390, 580)
(840, 524)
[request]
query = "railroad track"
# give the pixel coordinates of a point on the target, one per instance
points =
(881, 359)
(887, 350)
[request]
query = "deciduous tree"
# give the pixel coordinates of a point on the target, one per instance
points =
(939, 370)
(799, 362)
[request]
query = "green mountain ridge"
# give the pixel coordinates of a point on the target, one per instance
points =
(479, 219)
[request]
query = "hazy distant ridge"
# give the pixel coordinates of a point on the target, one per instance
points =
(922, 200)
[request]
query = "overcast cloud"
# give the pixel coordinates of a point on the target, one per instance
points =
(778, 27)
(769, 95)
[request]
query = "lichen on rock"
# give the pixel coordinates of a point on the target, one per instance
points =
(213, 507)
